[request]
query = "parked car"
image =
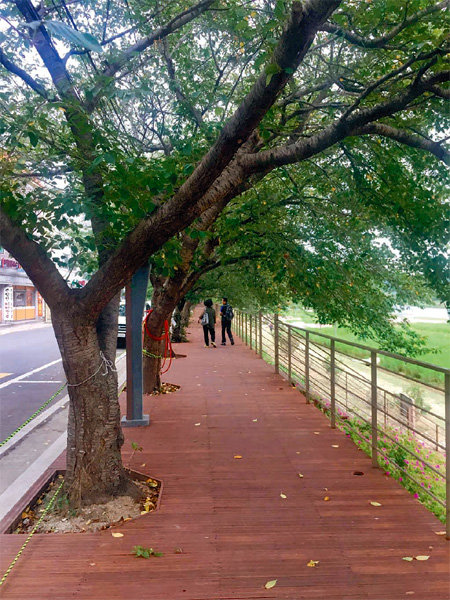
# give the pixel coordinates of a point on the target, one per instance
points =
(122, 323)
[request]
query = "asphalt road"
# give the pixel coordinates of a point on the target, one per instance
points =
(21, 353)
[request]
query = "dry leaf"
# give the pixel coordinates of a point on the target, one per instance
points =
(237, 456)
(313, 563)
(317, 432)
(297, 453)
(143, 465)
(144, 512)
(271, 584)
(440, 532)
(197, 424)
(421, 557)
(375, 504)
(300, 475)
(117, 535)
(283, 495)
(408, 558)
(326, 498)
(92, 564)
(409, 593)
(335, 445)
(254, 420)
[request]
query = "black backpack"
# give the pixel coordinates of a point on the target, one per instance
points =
(228, 314)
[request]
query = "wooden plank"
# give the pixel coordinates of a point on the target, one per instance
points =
(235, 530)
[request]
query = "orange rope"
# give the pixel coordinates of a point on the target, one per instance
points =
(168, 353)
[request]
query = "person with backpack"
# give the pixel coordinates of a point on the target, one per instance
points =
(227, 315)
(208, 320)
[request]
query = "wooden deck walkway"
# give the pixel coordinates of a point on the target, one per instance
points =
(226, 514)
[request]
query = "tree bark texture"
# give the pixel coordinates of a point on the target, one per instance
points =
(95, 472)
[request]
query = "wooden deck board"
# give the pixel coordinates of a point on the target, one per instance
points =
(226, 514)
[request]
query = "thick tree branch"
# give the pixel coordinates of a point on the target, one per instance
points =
(33, 258)
(406, 137)
(201, 190)
(337, 131)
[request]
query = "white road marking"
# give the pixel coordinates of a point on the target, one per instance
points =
(41, 381)
(2, 385)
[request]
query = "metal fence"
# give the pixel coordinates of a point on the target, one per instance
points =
(355, 390)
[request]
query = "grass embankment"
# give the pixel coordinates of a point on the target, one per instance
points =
(436, 334)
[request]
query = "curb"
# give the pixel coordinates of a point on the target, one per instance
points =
(40, 419)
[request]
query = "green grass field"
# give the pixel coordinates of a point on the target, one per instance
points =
(438, 342)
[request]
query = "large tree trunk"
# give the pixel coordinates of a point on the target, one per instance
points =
(95, 472)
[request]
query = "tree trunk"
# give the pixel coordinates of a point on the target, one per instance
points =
(177, 331)
(186, 314)
(95, 472)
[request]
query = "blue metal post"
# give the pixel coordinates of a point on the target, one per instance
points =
(135, 294)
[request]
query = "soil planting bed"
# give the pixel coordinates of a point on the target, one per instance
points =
(61, 519)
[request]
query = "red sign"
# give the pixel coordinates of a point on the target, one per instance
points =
(9, 263)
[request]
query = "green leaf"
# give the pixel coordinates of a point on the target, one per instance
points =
(78, 38)
(271, 584)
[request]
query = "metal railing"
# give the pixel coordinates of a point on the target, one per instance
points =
(354, 390)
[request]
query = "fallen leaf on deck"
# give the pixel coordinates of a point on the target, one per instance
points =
(271, 584)
(335, 445)
(440, 532)
(178, 551)
(313, 563)
(375, 504)
(237, 456)
(143, 464)
(283, 495)
(409, 593)
(254, 420)
(117, 535)
(421, 557)
(92, 564)
(317, 432)
(197, 424)
(326, 498)
(300, 475)
(297, 453)
(408, 558)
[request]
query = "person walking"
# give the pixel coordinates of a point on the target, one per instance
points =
(208, 320)
(227, 315)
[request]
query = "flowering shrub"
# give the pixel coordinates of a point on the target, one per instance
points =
(399, 462)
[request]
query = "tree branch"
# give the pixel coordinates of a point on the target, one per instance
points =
(15, 70)
(130, 53)
(407, 138)
(33, 258)
(381, 41)
(204, 187)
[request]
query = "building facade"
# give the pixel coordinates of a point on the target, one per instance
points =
(19, 299)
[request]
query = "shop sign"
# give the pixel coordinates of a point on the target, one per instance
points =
(8, 298)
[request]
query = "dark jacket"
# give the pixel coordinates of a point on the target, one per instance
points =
(211, 314)
(223, 310)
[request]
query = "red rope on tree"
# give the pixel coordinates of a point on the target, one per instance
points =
(168, 353)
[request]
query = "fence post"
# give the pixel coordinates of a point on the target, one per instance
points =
(307, 366)
(437, 437)
(277, 341)
(374, 405)
(289, 354)
(385, 410)
(447, 450)
(246, 328)
(260, 334)
(251, 331)
(333, 384)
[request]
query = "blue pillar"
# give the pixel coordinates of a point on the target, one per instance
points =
(135, 294)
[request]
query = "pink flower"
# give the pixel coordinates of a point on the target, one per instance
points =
(416, 495)
(400, 478)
